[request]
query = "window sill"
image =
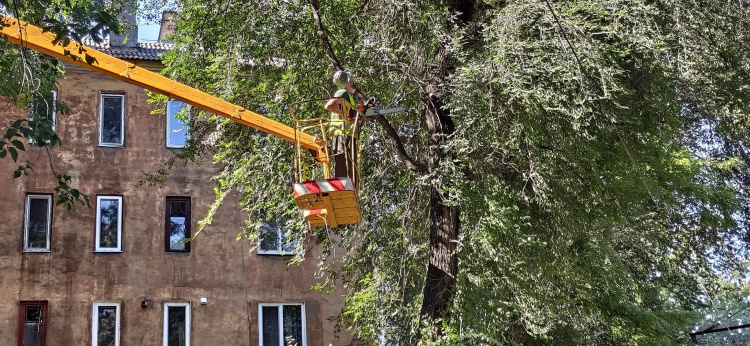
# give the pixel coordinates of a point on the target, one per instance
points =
(276, 253)
(105, 145)
(36, 251)
(107, 251)
(175, 147)
(177, 253)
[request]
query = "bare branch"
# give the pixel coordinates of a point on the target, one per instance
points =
(399, 146)
(412, 165)
(323, 37)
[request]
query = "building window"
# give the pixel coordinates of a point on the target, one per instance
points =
(177, 324)
(112, 120)
(273, 241)
(37, 223)
(105, 327)
(45, 107)
(177, 224)
(176, 129)
(32, 324)
(282, 324)
(109, 224)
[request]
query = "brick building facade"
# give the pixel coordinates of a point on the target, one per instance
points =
(113, 274)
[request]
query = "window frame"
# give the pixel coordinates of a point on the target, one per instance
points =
(165, 336)
(279, 248)
(281, 322)
(97, 236)
(54, 110)
(53, 115)
(101, 121)
(169, 129)
(22, 320)
(95, 322)
(167, 222)
(26, 247)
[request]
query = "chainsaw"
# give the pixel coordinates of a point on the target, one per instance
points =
(369, 109)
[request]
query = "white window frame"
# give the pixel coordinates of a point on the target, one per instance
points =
(99, 224)
(169, 129)
(54, 110)
(279, 249)
(281, 322)
(101, 121)
(187, 322)
(26, 247)
(95, 322)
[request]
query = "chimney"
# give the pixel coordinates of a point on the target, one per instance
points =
(167, 25)
(128, 18)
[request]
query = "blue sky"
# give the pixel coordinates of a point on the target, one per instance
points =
(148, 32)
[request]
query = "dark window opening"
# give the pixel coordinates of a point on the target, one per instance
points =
(176, 128)
(37, 223)
(282, 324)
(112, 120)
(109, 224)
(177, 224)
(43, 115)
(107, 325)
(32, 323)
(274, 241)
(177, 324)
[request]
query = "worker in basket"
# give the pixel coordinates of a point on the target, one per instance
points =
(342, 130)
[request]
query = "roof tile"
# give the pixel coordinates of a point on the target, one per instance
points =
(142, 50)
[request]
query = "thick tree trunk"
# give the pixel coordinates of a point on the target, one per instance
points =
(443, 264)
(443, 219)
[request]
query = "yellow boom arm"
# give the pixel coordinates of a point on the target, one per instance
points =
(30, 36)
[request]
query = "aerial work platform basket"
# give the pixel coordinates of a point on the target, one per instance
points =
(323, 199)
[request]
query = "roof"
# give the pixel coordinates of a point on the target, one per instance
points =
(142, 50)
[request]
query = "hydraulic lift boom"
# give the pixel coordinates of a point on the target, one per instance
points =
(32, 37)
(328, 202)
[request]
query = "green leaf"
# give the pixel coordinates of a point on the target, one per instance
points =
(18, 144)
(10, 133)
(13, 153)
(16, 174)
(3, 153)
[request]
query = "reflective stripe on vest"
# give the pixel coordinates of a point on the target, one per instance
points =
(340, 124)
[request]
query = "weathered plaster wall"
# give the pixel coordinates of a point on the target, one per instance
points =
(72, 276)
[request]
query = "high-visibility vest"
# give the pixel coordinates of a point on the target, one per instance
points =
(339, 123)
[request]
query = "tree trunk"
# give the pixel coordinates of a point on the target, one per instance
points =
(443, 219)
(443, 264)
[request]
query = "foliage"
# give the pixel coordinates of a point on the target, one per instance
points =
(599, 160)
(27, 78)
(728, 306)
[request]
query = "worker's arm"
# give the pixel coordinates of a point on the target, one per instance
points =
(334, 105)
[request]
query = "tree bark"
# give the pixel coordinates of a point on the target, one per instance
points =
(443, 219)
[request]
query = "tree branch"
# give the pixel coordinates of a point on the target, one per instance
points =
(411, 164)
(323, 37)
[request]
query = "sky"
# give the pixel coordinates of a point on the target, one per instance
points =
(148, 32)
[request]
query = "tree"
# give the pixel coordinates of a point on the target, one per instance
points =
(27, 78)
(564, 171)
